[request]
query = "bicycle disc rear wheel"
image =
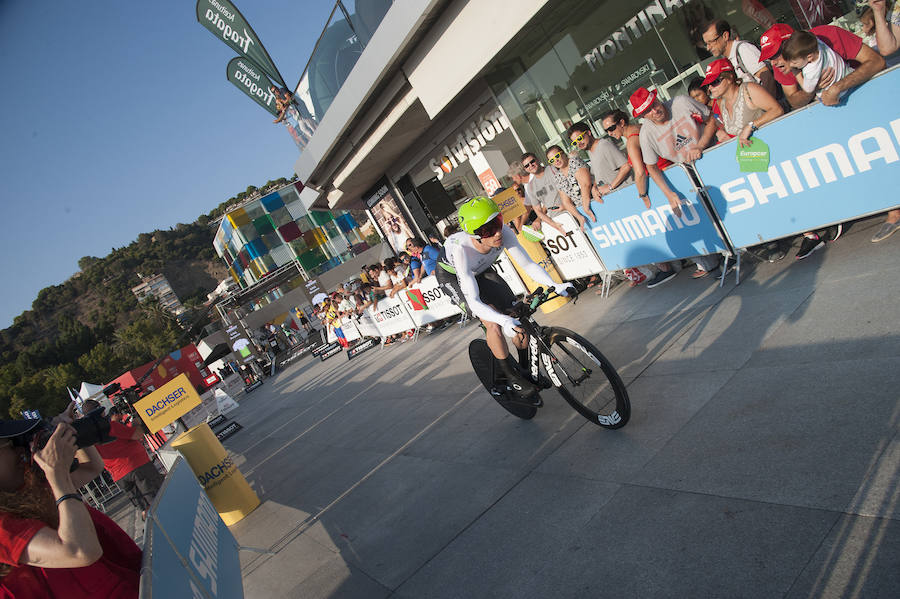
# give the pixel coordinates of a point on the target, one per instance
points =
(482, 362)
(586, 379)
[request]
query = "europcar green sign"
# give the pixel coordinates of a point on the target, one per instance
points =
(226, 22)
(248, 77)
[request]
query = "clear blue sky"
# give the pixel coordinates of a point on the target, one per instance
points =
(117, 119)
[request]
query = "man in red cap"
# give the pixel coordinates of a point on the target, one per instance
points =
(677, 130)
(865, 61)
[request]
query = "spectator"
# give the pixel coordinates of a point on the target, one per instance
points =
(573, 182)
(542, 188)
(127, 461)
(609, 166)
(698, 91)
(333, 319)
(424, 259)
(381, 280)
(865, 62)
(808, 58)
(887, 36)
(617, 125)
(51, 543)
(693, 126)
(745, 106)
(867, 20)
(721, 41)
(520, 178)
(304, 322)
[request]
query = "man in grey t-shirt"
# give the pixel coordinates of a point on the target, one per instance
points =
(609, 165)
(542, 189)
(678, 130)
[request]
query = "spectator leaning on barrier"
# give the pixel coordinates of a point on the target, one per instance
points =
(573, 181)
(51, 543)
(720, 40)
(745, 106)
(679, 131)
(542, 187)
(887, 36)
(423, 260)
(849, 47)
(865, 62)
(128, 463)
(618, 126)
(809, 57)
(609, 165)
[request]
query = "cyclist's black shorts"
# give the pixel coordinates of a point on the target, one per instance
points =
(492, 290)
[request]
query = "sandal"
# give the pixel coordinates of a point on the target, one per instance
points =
(699, 274)
(593, 281)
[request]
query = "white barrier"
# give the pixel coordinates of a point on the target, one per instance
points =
(572, 253)
(391, 316)
(506, 270)
(438, 303)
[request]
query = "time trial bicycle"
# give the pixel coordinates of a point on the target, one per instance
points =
(580, 373)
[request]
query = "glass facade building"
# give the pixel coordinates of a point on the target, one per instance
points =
(272, 231)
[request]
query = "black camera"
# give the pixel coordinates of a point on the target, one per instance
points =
(93, 429)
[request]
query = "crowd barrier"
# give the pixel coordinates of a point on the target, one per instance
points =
(828, 164)
(188, 550)
(572, 252)
(626, 234)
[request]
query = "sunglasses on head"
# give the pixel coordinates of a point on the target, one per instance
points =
(490, 228)
(578, 139)
(555, 158)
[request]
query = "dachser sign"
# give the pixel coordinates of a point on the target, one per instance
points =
(171, 401)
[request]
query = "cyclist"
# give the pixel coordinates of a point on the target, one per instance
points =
(465, 274)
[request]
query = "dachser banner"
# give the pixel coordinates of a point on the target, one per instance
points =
(171, 401)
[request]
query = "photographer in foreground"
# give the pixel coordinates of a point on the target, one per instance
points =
(51, 543)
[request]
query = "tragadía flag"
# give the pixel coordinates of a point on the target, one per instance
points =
(226, 22)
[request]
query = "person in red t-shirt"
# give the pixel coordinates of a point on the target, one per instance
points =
(865, 62)
(128, 462)
(51, 543)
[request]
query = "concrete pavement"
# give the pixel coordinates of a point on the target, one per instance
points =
(761, 459)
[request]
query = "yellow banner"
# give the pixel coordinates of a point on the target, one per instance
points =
(173, 400)
(510, 204)
(537, 253)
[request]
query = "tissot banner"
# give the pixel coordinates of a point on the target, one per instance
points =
(829, 164)
(226, 22)
(248, 77)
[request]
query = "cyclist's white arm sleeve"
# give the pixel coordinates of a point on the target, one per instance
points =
(521, 257)
(469, 287)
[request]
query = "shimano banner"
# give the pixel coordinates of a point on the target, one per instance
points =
(829, 164)
(227, 23)
(188, 550)
(627, 234)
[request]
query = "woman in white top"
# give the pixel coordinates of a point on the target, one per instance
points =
(745, 106)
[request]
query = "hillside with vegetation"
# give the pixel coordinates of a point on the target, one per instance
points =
(92, 328)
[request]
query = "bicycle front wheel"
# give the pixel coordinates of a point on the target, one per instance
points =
(586, 379)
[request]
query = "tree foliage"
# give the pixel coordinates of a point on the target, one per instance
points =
(54, 346)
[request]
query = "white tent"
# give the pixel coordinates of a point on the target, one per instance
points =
(95, 392)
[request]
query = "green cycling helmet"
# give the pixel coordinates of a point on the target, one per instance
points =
(476, 212)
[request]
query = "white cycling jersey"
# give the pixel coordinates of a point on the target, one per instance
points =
(469, 262)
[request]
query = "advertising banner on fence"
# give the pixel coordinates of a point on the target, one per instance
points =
(504, 267)
(226, 22)
(572, 253)
(828, 164)
(627, 234)
(173, 400)
(438, 304)
(391, 316)
(188, 550)
(365, 324)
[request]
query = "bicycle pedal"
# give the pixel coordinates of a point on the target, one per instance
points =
(532, 399)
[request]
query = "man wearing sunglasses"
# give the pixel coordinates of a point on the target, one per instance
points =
(466, 276)
(609, 165)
